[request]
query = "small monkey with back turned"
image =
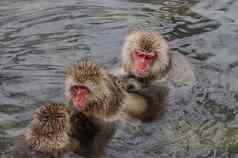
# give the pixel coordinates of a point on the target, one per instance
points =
(47, 137)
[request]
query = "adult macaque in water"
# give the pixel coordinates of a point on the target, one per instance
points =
(146, 56)
(96, 101)
(47, 137)
(146, 59)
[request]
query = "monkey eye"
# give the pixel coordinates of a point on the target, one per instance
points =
(74, 89)
(139, 54)
(148, 57)
(82, 87)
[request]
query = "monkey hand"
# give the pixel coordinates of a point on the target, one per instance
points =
(132, 85)
(131, 88)
(151, 92)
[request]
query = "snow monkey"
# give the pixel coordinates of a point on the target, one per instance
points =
(146, 58)
(47, 137)
(96, 101)
(143, 102)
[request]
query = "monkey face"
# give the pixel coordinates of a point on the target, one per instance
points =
(145, 54)
(79, 95)
(84, 93)
(85, 83)
(142, 62)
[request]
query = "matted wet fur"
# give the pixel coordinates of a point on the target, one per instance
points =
(147, 41)
(107, 98)
(47, 137)
(144, 102)
(166, 70)
(93, 127)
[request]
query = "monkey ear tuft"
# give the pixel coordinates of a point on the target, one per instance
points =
(85, 59)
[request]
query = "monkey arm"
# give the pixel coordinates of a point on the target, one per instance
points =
(147, 103)
(151, 92)
(90, 135)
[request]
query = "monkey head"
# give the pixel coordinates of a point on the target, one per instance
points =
(90, 89)
(51, 118)
(49, 127)
(145, 54)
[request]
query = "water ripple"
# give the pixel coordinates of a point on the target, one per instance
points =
(38, 39)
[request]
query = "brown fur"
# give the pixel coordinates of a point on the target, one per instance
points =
(152, 96)
(93, 127)
(51, 118)
(147, 41)
(147, 102)
(172, 67)
(144, 102)
(106, 98)
(47, 138)
(90, 135)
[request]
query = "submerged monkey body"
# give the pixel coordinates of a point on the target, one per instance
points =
(105, 99)
(146, 59)
(89, 135)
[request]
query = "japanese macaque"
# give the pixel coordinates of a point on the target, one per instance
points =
(146, 59)
(96, 101)
(47, 137)
(143, 102)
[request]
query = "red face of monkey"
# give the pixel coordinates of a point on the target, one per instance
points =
(142, 62)
(79, 96)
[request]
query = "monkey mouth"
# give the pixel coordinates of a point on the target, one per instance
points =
(141, 73)
(141, 69)
(79, 102)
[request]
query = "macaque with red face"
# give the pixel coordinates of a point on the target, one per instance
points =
(96, 101)
(47, 137)
(146, 58)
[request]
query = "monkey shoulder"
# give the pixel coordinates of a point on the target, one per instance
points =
(181, 72)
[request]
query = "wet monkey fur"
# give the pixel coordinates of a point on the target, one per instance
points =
(146, 59)
(146, 56)
(144, 102)
(96, 102)
(47, 137)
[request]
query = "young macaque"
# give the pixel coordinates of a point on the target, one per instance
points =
(146, 59)
(96, 101)
(47, 137)
(143, 102)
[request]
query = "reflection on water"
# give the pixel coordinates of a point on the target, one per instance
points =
(39, 38)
